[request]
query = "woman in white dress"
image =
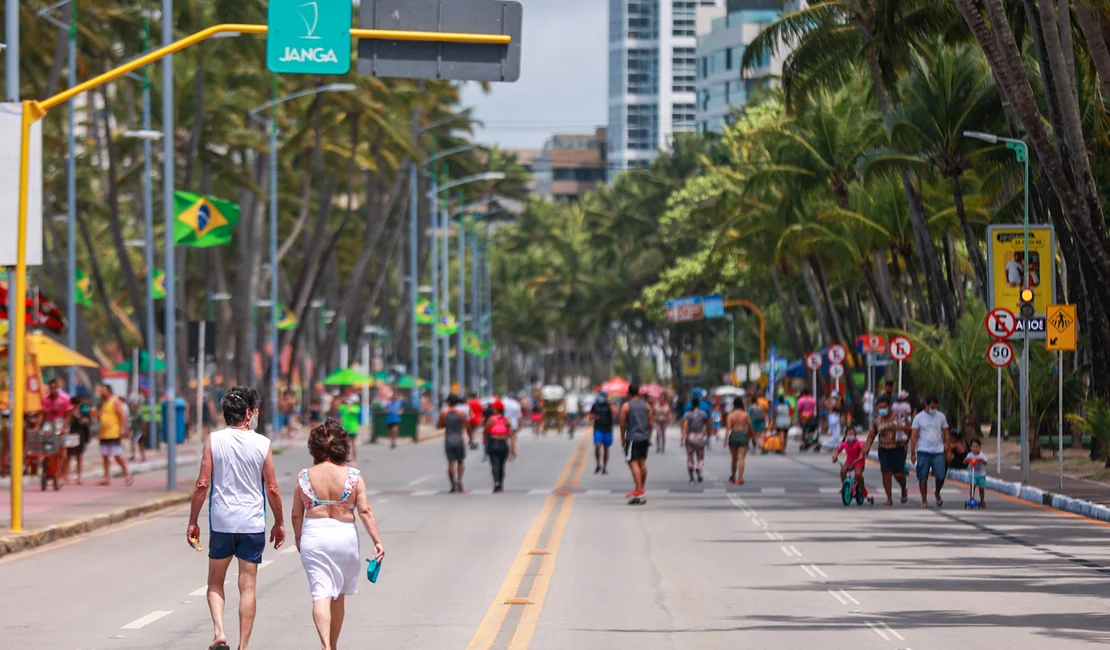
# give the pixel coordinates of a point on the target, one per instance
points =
(327, 498)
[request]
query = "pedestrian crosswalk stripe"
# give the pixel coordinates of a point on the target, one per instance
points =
(773, 490)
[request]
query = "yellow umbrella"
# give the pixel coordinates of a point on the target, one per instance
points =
(51, 354)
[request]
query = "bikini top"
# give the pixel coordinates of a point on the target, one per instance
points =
(348, 488)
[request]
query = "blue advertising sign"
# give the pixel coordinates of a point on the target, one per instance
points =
(714, 307)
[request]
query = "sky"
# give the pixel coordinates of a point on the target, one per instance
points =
(563, 77)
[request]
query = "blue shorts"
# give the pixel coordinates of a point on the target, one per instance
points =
(927, 461)
(979, 480)
(245, 546)
(604, 438)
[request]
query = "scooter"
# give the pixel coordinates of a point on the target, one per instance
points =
(811, 436)
(972, 502)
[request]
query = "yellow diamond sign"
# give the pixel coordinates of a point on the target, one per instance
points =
(1062, 328)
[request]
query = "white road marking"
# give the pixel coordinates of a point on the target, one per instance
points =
(424, 493)
(808, 570)
(539, 492)
(877, 630)
(795, 550)
(715, 492)
(199, 592)
(838, 597)
(598, 493)
(266, 563)
(777, 536)
(417, 481)
(140, 623)
(892, 631)
(791, 551)
(818, 570)
(373, 493)
(829, 490)
(849, 597)
(292, 548)
(773, 490)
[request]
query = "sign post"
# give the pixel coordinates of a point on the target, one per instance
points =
(1061, 334)
(900, 349)
(837, 354)
(1000, 354)
(813, 362)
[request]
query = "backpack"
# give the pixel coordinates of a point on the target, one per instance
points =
(758, 416)
(498, 427)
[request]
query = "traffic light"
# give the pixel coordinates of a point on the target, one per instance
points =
(1027, 309)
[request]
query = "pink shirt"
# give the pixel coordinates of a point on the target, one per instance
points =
(807, 406)
(852, 450)
(57, 406)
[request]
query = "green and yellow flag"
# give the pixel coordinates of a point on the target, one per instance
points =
(203, 221)
(287, 320)
(485, 350)
(447, 324)
(471, 343)
(158, 279)
(425, 312)
(82, 289)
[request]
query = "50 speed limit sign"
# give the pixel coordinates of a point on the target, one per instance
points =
(836, 371)
(1000, 354)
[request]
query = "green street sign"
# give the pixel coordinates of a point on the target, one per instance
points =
(309, 37)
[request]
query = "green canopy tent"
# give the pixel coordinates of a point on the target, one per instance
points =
(381, 375)
(406, 382)
(348, 377)
(144, 366)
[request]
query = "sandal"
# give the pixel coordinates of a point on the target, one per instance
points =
(219, 645)
(940, 501)
(129, 481)
(905, 497)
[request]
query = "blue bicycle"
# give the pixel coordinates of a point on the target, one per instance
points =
(851, 488)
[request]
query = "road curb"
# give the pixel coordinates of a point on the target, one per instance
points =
(58, 532)
(1026, 493)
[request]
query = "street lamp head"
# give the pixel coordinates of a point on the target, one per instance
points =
(143, 134)
(135, 243)
(989, 138)
(339, 88)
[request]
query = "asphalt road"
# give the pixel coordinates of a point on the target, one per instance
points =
(777, 562)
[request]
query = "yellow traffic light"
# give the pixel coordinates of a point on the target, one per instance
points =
(1027, 308)
(1027, 295)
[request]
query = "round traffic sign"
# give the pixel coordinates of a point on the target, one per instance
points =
(1001, 323)
(813, 361)
(837, 353)
(836, 371)
(1000, 354)
(900, 348)
(875, 343)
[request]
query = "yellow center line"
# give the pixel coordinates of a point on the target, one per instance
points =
(498, 610)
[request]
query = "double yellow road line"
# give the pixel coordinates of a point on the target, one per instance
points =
(511, 619)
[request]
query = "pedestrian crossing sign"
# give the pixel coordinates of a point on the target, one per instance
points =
(691, 363)
(1062, 328)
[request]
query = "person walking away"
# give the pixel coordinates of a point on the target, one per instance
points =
(807, 411)
(58, 406)
(758, 416)
(662, 413)
(394, 408)
(237, 475)
(929, 448)
(455, 424)
(635, 421)
(571, 405)
(602, 414)
(694, 439)
(113, 424)
(349, 417)
(832, 409)
(784, 417)
(500, 445)
(892, 431)
(977, 462)
(513, 413)
(80, 427)
(854, 460)
(739, 427)
(325, 502)
(477, 410)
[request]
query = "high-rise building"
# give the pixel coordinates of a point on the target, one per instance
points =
(652, 76)
(570, 165)
(723, 34)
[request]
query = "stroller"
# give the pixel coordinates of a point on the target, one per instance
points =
(811, 436)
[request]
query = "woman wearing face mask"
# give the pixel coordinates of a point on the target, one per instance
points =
(893, 432)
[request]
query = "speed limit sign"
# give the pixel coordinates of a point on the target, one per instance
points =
(813, 361)
(836, 371)
(837, 354)
(1000, 354)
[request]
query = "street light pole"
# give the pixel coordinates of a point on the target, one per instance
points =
(475, 308)
(433, 221)
(171, 272)
(460, 355)
(414, 328)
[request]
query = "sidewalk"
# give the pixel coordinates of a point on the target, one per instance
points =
(77, 509)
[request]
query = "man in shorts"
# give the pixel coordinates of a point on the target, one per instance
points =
(603, 413)
(635, 420)
(572, 413)
(113, 426)
(238, 464)
(456, 427)
(930, 449)
(393, 410)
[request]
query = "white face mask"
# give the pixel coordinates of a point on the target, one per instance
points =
(252, 422)
(931, 410)
(851, 437)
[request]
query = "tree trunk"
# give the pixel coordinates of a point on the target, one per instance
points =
(793, 321)
(1096, 44)
(978, 261)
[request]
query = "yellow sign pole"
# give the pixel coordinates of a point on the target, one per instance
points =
(33, 111)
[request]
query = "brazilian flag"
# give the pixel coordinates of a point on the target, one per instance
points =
(485, 350)
(287, 320)
(82, 289)
(159, 281)
(447, 324)
(203, 221)
(471, 343)
(425, 312)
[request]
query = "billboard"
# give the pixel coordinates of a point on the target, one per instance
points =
(1008, 270)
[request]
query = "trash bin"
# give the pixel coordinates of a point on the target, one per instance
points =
(178, 421)
(409, 420)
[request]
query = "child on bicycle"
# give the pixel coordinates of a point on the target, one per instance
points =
(977, 468)
(854, 460)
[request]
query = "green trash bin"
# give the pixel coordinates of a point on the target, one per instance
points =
(409, 422)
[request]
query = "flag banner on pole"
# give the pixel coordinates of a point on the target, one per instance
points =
(203, 221)
(287, 320)
(447, 324)
(425, 312)
(82, 286)
(484, 351)
(471, 343)
(159, 282)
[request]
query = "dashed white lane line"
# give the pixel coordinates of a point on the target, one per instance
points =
(539, 492)
(773, 490)
(424, 493)
(892, 631)
(417, 481)
(844, 597)
(140, 623)
(791, 551)
(816, 569)
(838, 597)
(203, 591)
(878, 630)
(808, 570)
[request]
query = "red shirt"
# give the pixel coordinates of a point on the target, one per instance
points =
(476, 411)
(57, 406)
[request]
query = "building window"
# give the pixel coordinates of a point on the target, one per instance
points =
(643, 126)
(616, 130)
(580, 174)
(684, 14)
(643, 71)
(643, 19)
(683, 117)
(684, 64)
